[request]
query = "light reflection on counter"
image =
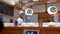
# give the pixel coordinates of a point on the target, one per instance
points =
(9, 25)
(47, 24)
(44, 24)
(31, 24)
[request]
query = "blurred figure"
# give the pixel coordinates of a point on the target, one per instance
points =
(21, 18)
(55, 19)
(1, 23)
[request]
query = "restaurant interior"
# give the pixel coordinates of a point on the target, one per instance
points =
(40, 22)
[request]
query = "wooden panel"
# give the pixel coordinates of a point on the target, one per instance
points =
(11, 32)
(44, 17)
(1, 0)
(20, 30)
(50, 32)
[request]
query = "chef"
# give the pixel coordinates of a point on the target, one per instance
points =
(21, 18)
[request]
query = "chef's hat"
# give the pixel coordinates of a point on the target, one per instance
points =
(21, 12)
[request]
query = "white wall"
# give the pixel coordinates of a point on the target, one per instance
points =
(55, 4)
(42, 8)
(34, 18)
(16, 15)
(39, 8)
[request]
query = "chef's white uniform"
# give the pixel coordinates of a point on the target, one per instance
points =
(20, 21)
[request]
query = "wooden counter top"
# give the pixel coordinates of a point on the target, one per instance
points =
(33, 28)
(20, 30)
